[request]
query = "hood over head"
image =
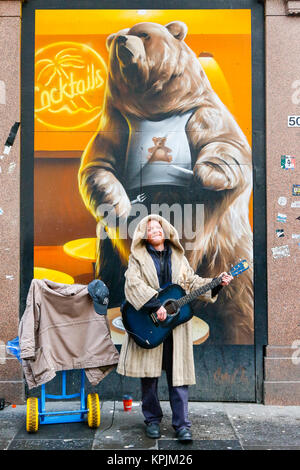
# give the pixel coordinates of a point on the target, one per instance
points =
(139, 238)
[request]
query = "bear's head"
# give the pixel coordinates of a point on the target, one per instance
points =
(159, 141)
(152, 70)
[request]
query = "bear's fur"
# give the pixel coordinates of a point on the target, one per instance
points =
(152, 75)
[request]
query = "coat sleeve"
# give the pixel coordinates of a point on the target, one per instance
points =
(29, 325)
(153, 304)
(192, 281)
(137, 292)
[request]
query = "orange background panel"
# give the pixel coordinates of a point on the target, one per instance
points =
(232, 53)
(217, 21)
(59, 213)
(54, 257)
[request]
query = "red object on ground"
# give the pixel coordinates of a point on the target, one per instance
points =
(127, 402)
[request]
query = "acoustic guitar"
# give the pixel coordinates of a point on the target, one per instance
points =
(149, 332)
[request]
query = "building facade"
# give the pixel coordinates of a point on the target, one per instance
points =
(67, 77)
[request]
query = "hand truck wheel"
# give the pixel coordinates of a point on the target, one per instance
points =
(93, 406)
(32, 415)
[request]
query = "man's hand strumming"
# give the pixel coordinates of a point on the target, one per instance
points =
(161, 313)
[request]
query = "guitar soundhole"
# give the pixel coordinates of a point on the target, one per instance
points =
(171, 307)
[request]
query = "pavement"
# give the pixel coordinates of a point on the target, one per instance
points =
(215, 426)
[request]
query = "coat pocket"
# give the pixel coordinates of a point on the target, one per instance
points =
(41, 366)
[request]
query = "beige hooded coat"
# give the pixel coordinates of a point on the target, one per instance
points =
(141, 284)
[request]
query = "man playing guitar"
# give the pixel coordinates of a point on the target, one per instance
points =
(175, 355)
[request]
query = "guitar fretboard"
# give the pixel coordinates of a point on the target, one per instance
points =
(193, 295)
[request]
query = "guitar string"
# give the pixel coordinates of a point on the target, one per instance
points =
(214, 283)
(187, 298)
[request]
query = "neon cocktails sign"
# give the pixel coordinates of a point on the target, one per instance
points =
(69, 83)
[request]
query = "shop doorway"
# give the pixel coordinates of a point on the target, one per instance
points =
(66, 65)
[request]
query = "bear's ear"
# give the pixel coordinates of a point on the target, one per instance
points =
(178, 29)
(109, 40)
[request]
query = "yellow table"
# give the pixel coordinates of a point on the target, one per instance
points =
(82, 248)
(52, 275)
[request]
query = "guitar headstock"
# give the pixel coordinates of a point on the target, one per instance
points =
(239, 268)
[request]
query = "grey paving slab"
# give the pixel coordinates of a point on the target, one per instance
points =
(11, 419)
(200, 445)
(51, 444)
(58, 431)
(4, 443)
(255, 430)
(254, 409)
(50, 431)
(207, 422)
(122, 430)
(214, 426)
(270, 447)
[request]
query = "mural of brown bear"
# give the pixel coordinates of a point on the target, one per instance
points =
(154, 76)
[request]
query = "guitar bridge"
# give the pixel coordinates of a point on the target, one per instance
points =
(154, 319)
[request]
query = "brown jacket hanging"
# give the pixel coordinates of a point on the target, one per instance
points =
(60, 330)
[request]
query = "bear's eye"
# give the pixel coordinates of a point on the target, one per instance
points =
(144, 35)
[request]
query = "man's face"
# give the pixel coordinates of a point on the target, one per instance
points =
(155, 233)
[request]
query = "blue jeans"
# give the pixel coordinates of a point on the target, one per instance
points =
(178, 396)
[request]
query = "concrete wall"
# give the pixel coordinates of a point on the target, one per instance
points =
(282, 372)
(11, 378)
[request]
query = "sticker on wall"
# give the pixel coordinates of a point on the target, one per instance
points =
(2, 92)
(6, 149)
(11, 167)
(295, 204)
(10, 139)
(281, 217)
(280, 251)
(298, 218)
(282, 201)
(280, 233)
(296, 190)
(287, 162)
(12, 134)
(1, 211)
(296, 235)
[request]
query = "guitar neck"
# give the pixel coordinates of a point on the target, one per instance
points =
(193, 295)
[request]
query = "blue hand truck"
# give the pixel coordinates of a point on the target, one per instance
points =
(36, 407)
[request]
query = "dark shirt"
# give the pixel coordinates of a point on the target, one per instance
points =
(162, 262)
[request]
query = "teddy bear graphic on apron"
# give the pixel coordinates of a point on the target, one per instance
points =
(158, 152)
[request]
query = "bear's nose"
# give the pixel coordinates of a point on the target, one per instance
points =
(122, 39)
